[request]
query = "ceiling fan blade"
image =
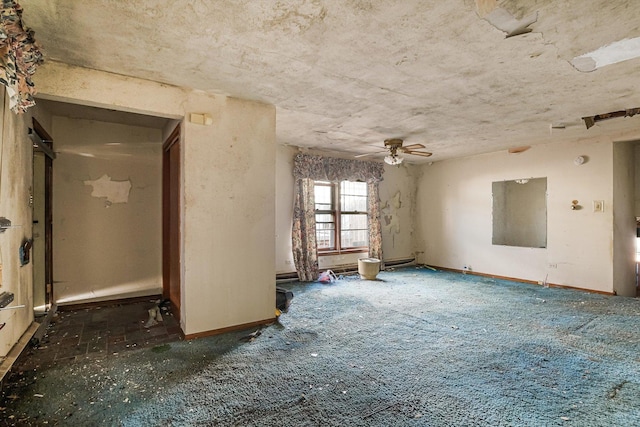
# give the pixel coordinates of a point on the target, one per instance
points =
(370, 154)
(419, 153)
(412, 147)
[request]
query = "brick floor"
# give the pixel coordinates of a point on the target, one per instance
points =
(100, 331)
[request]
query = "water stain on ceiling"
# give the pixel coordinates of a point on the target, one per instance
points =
(460, 77)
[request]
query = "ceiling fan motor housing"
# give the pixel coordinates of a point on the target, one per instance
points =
(393, 143)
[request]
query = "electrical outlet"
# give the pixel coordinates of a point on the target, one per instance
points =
(598, 205)
(554, 265)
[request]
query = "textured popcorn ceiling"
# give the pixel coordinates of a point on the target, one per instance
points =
(346, 74)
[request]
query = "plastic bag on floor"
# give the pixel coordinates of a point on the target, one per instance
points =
(327, 277)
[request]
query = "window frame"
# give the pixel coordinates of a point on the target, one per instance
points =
(336, 212)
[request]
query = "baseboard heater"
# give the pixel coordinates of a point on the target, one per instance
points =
(346, 269)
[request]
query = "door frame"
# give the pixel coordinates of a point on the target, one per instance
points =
(46, 146)
(171, 221)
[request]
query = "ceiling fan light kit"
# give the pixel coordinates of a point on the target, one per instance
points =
(394, 147)
(393, 160)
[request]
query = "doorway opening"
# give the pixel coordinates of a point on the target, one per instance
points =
(107, 207)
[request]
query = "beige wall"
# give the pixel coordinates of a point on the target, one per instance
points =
(624, 223)
(15, 182)
(228, 189)
(397, 198)
(455, 223)
(284, 208)
(105, 247)
(229, 215)
(636, 151)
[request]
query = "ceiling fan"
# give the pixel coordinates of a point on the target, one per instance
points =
(394, 148)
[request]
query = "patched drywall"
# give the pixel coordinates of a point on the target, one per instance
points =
(15, 186)
(107, 230)
(112, 191)
(397, 200)
(454, 215)
(390, 214)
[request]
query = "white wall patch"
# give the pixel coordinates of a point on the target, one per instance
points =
(114, 191)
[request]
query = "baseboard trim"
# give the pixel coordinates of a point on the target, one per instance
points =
(16, 351)
(515, 279)
(106, 303)
(229, 329)
(348, 268)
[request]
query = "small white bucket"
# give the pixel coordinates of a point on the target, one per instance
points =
(368, 268)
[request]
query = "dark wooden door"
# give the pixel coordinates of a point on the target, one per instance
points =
(171, 220)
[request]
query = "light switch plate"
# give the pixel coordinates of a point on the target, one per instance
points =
(598, 205)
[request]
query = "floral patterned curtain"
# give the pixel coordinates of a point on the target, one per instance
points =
(308, 168)
(305, 250)
(19, 57)
(375, 227)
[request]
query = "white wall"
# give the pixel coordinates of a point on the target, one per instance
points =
(228, 190)
(104, 248)
(624, 223)
(229, 215)
(284, 208)
(397, 198)
(636, 153)
(454, 215)
(15, 182)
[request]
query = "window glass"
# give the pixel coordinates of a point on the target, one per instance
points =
(354, 231)
(341, 216)
(353, 196)
(325, 236)
(322, 195)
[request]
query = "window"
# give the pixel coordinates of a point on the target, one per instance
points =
(341, 216)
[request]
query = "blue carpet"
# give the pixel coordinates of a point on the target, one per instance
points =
(415, 348)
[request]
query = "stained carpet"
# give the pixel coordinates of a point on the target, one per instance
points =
(415, 348)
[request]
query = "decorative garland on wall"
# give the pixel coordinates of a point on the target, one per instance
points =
(19, 57)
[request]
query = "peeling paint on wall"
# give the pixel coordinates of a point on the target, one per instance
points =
(390, 214)
(503, 20)
(114, 191)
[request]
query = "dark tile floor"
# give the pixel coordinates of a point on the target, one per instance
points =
(100, 332)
